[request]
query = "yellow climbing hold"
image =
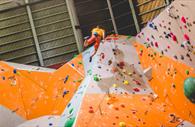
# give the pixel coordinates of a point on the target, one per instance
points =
(108, 99)
(126, 82)
(122, 124)
(115, 85)
(130, 74)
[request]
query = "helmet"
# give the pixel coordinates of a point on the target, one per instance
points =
(95, 33)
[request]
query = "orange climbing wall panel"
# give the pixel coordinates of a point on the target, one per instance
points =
(168, 80)
(33, 94)
(135, 110)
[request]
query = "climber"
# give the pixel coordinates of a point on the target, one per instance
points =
(98, 34)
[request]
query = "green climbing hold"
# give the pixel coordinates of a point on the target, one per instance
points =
(71, 110)
(80, 62)
(96, 78)
(69, 122)
(189, 89)
(75, 55)
(89, 72)
(187, 72)
(128, 37)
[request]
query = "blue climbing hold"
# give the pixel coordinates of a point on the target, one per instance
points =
(65, 92)
(66, 79)
(14, 71)
(69, 105)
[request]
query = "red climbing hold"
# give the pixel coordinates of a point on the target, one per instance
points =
(174, 38)
(121, 64)
(186, 37)
(102, 55)
(156, 44)
(91, 111)
(183, 19)
(136, 89)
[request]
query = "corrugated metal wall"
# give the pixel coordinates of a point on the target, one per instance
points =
(92, 13)
(148, 9)
(123, 17)
(53, 28)
(96, 12)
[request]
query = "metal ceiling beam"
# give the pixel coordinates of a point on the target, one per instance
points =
(75, 24)
(134, 16)
(112, 16)
(38, 49)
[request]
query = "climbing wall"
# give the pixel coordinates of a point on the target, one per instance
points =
(27, 92)
(172, 32)
(71, 111)
(119, 94)
(130, 81)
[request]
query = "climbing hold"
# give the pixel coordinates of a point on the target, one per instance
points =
(186, 37)
(156, 44)
(130, 74)
(189, 89)
(183, 19)
(91, 111)
(69, 122)
(96, 78)
(71, 110)
(115, 85)
(80, 62)
(187, 72)
(75, 56)
(66, 79)
(122, 124)
(14, 71)
(3, 78)
(69, 105)
(128, 37)
(136, 89)
(174, 38)
(126, 82)
(80, 80)
(65, 92)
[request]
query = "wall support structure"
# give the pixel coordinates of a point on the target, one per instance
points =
(38, 49)
(75, 24)
(134, 16)
(112, 16)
